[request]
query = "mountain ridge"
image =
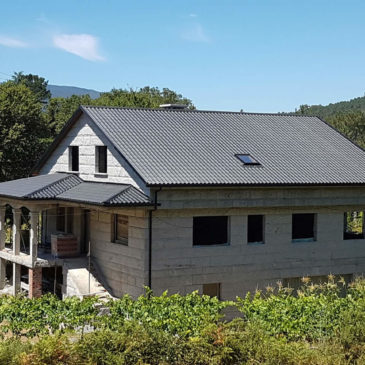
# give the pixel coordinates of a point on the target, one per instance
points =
(66, 91)
(330, 110)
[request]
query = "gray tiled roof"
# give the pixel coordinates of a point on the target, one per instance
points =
(168, 147)
(105, 194)
(70, 187)
(32, 186)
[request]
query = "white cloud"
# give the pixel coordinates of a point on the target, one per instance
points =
(82, 45)
(12, 42)
(195, 33)
(193, 15)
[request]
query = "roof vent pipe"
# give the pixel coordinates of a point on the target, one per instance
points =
(173, 106)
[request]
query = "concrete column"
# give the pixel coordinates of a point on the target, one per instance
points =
(2, 227)
(35, 282)
(33, 237)
(17, 213)
(16, 279)
(2, 273)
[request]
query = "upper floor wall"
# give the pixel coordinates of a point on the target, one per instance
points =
(260, 197)
(87, 136)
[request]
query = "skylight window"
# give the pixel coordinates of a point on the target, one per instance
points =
(247, 159)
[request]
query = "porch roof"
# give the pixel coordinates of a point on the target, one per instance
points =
(70, 187)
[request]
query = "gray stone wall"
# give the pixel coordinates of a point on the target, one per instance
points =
(242, 267)
(124, 268)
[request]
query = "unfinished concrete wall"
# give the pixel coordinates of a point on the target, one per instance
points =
(124, 268)
(239, 266)
(87, 136)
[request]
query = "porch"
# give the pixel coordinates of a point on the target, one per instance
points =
(44, 222)
(34, 242)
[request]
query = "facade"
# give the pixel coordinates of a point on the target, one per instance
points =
(184, 200)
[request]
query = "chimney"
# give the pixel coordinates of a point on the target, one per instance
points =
(173, 106)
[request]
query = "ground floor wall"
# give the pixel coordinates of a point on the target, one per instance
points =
(121, 269)
(178, 266)
(124, 268)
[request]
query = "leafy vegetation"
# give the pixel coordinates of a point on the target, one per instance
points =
(23, 132)
(317, 324)
(326, 111)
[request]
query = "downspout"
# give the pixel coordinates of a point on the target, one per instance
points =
(150, 239)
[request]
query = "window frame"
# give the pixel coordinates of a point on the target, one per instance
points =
(97, 159)
(218, 290)
(253, 163)
(304, 239)
(71, 155)
(353, 235)
(262, 229)
(115, 230)
(202, 218)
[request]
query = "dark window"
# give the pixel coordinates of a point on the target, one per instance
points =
(255, 229)
(61, 219)
(70, 219)
(212, 290)
(101, 159)
(303, 226)
(354, 226)
(210, 230)
(247, 159)
(73, 158)
(120, 229)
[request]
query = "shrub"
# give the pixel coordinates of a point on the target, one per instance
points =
(314, 313)
(175, 314)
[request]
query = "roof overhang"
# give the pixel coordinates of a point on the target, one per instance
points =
(71, 188)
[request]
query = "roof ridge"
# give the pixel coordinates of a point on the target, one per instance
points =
(130, 187)
(196, 111)
(119, 193)
(68, 176)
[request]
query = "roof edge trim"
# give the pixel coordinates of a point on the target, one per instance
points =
(209, 185)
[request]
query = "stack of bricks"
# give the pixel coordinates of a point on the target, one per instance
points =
(64, 245)
(35, 282)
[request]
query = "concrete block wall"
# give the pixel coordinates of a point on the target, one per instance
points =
(124, 267)
(86, 135)
(239, 266)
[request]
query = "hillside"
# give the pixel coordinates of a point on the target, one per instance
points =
(67, 91)
(325, 111)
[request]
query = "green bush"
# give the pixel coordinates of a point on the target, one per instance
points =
(175, 314)
(317, 324)
(314, 313)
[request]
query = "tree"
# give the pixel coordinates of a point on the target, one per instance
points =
(303, 109)
(146, 97)
(37, 84)
(59, 110)
(23, 134)
(352, 125)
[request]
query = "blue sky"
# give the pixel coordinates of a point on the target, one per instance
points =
(255, 55)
